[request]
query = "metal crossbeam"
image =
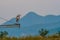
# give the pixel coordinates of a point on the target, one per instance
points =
(10, 26)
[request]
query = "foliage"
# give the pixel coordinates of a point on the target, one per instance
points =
(43, 32)
(58, 33)
(3, 34)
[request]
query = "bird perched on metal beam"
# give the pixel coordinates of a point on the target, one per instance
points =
(17, 18)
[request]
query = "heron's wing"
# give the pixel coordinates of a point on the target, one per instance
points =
(10, 26)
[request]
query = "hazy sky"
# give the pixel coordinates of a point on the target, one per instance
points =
(10, 8)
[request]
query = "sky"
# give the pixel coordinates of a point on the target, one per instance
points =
(11, 8)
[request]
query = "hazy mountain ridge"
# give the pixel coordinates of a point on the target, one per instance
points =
(34, 22)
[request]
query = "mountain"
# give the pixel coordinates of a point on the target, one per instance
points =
(31, 23)
(30, 19)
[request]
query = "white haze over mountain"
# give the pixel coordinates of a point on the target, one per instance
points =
(10, 8)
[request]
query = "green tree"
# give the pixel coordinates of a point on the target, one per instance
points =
(43, 32)
(58, 33)
(3, 34)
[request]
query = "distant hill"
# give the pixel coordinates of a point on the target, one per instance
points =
(32, 22)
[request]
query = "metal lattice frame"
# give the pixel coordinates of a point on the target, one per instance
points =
(15, 25)
(11, 25)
